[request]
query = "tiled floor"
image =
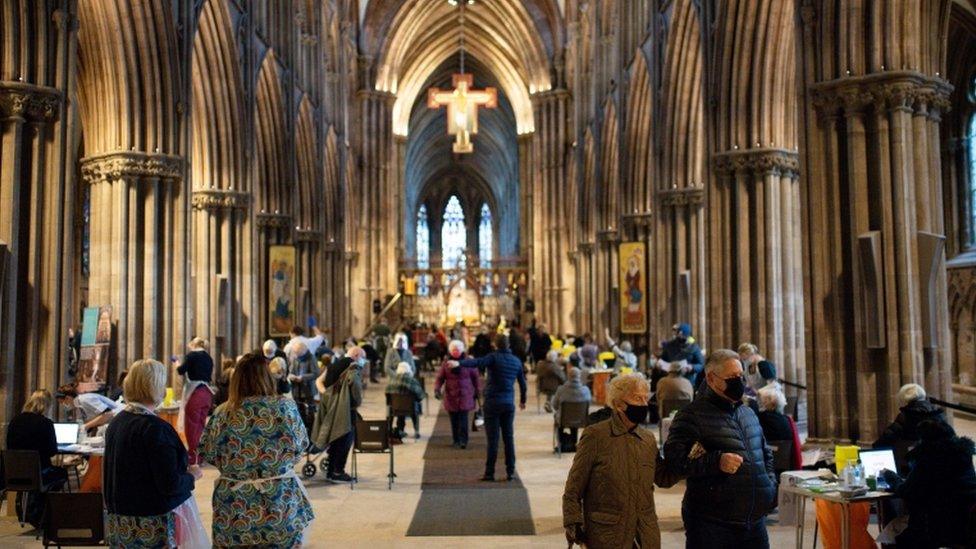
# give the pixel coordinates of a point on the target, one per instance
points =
(373, 517)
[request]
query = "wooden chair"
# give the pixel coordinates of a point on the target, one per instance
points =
(74, 519)
(372, 437)
(572, 415)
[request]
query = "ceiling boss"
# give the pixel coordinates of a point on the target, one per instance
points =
(463, 101)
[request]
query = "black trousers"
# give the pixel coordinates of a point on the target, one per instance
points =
(339, 452)
(459, 427)
(500, 418)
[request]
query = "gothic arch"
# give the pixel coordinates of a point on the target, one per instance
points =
(609, 194)
(308, 206)
(639, 186)
(271, 190)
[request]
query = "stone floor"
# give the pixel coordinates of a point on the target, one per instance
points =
(371, 516)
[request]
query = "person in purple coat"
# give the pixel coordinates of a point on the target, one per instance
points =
(460, 388)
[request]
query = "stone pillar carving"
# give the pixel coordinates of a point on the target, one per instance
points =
(756, 258)
(679, 263)
(136, 238)
(551, 267)
(886, 126)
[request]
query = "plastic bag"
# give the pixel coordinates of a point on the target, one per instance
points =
(190, 532)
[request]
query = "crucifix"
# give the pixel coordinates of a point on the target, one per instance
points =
(462, 108)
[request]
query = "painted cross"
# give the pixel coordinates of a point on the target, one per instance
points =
(462, 108)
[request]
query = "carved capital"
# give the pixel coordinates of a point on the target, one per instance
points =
(682, 196)
(267, 220)
(638, 219)
(585, 248)
(308, 235)
(29, 102)
(220, 199)
(608, 236)
(883, 91)
(762, 161)
(130, 165)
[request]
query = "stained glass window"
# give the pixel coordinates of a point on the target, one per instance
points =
(453, 235)
(423, 249)
(972, 177)
(485, 237)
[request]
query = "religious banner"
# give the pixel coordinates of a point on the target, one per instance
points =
(633, 288)
(96, 341)
(281, 294)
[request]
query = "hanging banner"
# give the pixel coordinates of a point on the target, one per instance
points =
(633, 288)
(96, 341)
(281, 290)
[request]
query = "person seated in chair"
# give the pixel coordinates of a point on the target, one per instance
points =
(550, 375)
(571, 391)
(403, 383)
(675, 386)
(32, 429)
(902, 434)
(776, 425)
(940, 490)
(94, 409)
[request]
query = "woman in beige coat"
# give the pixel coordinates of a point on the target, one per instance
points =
(609, 496)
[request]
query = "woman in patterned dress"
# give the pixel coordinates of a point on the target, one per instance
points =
(146, 478)
(255, 439)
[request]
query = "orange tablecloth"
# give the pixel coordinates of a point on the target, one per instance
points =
(600, 379)
(92, 481)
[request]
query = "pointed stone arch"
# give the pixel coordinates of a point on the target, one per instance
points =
(639, 186)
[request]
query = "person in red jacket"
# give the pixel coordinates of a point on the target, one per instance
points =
(458, 387)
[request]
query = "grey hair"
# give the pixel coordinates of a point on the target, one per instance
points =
(456, 344)
(626, 384)
(910, 393)
(748, 349)
(771, 397)
(718, 358)
(552, 356)
(574, 373)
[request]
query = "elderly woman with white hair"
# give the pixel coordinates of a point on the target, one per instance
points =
(902, 434)
(459, 387)
(777, 426)
(609, 496)
(146, 479)
(397, 353)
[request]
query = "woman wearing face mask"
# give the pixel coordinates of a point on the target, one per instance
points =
(460, 388)
(609, 495)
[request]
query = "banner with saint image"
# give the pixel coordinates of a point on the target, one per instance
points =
(633, 288)
(282, 290)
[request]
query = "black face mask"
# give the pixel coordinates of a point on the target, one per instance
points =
(636, 414)
(735, 387)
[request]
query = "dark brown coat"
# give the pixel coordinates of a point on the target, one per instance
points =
(610, 489)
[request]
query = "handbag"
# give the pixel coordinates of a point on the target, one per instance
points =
(479, 418)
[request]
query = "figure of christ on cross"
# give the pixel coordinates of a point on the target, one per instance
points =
(462, 108)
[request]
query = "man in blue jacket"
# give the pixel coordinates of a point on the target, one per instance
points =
(717, 444)
(503, 370)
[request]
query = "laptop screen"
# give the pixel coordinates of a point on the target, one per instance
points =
(66, 433)
(876, 460)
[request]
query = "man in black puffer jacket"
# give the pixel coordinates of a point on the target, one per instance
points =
(717, 444)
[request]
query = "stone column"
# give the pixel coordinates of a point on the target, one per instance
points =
(221, 219)
(680, 260)
(755, 256)
(885, 125)
(31, 268)
(551, 211)
(136, 248)
(375, 237)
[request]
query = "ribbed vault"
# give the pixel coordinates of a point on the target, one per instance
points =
(493, 166)
(513, 41)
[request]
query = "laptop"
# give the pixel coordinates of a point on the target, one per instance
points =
(876, 460)
(66, 434)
